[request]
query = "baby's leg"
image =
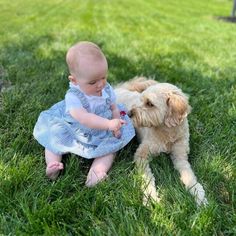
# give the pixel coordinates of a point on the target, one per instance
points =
(54, 164)
(98, 170)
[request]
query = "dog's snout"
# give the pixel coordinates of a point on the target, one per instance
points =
(131, 113)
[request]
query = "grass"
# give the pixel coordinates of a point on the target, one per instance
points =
(181, 42)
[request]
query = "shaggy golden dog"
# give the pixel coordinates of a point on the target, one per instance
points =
(159, 113)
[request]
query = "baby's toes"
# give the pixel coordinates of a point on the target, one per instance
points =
(60, 166)
(53, 170)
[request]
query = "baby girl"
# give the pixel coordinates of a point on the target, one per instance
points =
(88, 122)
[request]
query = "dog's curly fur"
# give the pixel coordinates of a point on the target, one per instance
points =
(159, 113)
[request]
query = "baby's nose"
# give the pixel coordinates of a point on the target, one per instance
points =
(100, 84)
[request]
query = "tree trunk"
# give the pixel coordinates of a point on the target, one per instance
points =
(234, 8)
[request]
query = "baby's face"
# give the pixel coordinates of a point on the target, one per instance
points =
(93, 78)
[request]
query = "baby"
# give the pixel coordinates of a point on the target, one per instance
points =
(88, 121)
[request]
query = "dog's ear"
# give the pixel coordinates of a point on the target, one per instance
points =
(140, 84)
(177, 109)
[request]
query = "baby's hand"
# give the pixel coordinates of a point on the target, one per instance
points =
(115, 124)
(117, 133)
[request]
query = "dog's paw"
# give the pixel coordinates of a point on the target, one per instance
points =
(148, 199)
(202, 202)
(198, 192)
(150, 196)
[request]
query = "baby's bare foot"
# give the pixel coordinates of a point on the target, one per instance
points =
(53, 169)
(94, 178)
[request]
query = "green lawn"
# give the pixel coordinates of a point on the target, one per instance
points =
(181, 42)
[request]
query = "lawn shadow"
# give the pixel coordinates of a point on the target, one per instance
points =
(47, 73)
(40, 80)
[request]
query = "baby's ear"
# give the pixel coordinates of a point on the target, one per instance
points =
(72, 79)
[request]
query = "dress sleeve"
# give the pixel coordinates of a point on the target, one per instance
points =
(72, 102)
(113, 96)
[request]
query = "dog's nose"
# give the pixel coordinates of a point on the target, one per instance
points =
(130, 113)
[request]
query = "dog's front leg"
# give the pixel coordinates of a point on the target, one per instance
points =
(180, 160)
(148, 180)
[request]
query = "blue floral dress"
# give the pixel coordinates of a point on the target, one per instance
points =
(60, 133)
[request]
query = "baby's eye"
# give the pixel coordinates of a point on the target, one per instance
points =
(92, 82)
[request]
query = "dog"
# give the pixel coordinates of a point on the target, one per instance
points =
(159, 113)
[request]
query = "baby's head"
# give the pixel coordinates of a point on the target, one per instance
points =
(88, 67)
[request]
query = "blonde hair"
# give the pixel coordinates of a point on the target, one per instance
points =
(81, 50)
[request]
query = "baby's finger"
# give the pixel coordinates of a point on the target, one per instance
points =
(123, 122)
(117, 134)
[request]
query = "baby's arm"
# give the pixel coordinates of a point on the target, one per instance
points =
(116, 115)
(96, 122)
(115, 111)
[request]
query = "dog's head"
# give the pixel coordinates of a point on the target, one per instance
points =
(161, 104)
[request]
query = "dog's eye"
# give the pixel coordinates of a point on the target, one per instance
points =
(149, 104)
